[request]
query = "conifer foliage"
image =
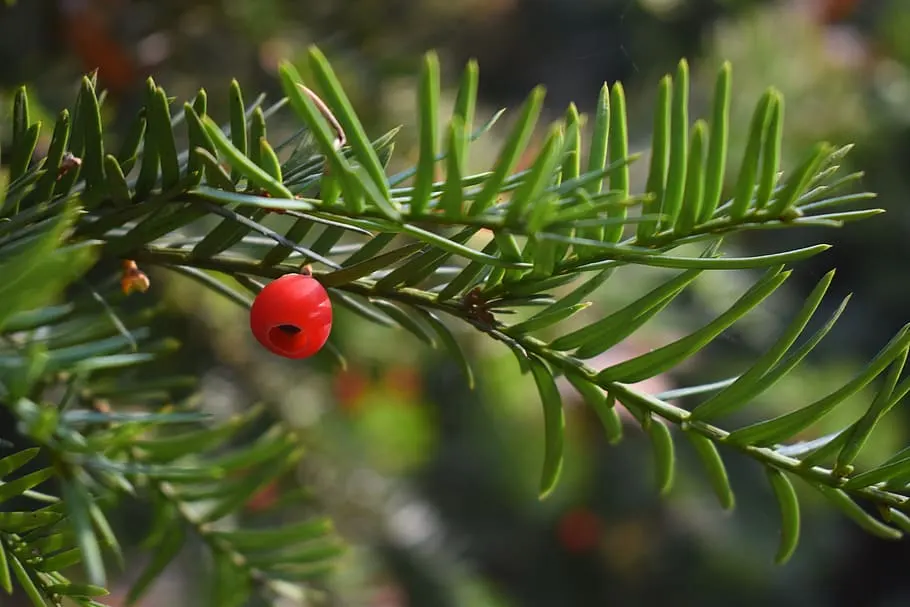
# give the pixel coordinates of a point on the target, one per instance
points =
(412, 250)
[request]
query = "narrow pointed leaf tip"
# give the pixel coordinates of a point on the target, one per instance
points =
(428, 104)
(789, 512)
(350, 124)
(664, 453)
(714, 466)
(554, 425)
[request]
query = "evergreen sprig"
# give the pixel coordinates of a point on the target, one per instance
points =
(409, 250)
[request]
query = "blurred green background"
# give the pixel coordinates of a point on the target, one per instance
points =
(435, 485)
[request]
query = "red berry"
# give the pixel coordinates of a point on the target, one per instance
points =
(292, 316)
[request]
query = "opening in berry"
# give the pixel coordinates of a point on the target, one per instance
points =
(289, 338)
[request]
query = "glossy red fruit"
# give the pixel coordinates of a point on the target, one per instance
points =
(292, 316)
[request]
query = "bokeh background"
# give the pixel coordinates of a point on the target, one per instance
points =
(434, 485)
